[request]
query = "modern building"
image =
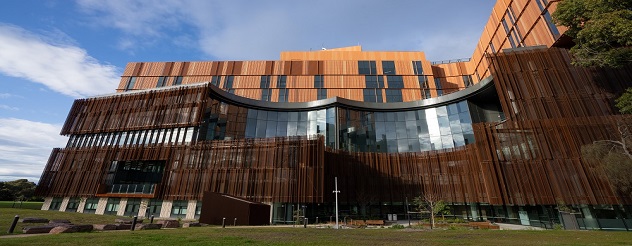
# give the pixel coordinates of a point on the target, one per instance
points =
(498, 136)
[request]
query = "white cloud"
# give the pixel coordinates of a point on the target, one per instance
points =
(7, 107)
(25, 147)
(5, 95)
(237, 29)
(63, 68)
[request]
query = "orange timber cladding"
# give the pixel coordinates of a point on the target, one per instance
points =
(531, 158)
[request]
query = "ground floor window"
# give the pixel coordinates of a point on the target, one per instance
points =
(179, 209)
(112, 206)
(73, 204)
(55, 204)
(91, 206)
(198, 209)
(154, 207)
(132, 207)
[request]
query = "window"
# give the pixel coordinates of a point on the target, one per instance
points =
(112, 206)
(283, 95)
(491, 45)
(177, 80)
(264, 82)
(321, 94)
(281, 81)
(318, 81)
(374, 81)
(395, 82)
(130, 83)
(366, 67)
(179, 209)
(91, 205)
(215, 80)
(266, 94)
(467, 80)
(550, 24)
(372, 95)
(55, 204)
(393, 95)
(388, 67)
(438, 86)
(162, 81)
(228, 84)
(417, 68)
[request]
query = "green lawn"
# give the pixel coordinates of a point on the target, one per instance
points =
(315, 236)
(26, 205)
(295, 236)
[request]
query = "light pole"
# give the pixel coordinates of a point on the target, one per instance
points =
(336, 191)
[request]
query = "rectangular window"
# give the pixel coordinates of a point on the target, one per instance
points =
(266, 94)
(283, 95)
(228, 84)
(395, 81)
(367, 67)
(423, 82)
(374, 81)
(417, 68)
(177, 80)
(393, 95)
(281, 81)
(265, 82)
(318, 81)
(215, 80)
(130, 83)
(491, 45)
(438, 86)
(162, 81)
(550, 24)
(467, 80)
(388, 67)
(372, 95)
(321, 94)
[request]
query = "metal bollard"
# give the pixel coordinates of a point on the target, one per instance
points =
(15, 222)
(316, 219)
(134, 222)
(305, 225)
(223, 222)
(235, 222)
(151, 219)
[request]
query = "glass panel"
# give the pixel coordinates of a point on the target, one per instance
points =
(261, 129)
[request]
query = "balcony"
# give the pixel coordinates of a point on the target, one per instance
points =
(127, 190)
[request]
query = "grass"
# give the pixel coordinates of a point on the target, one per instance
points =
(313, 236)
(25, 205)
(295, 236)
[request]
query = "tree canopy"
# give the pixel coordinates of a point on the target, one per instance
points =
(624, 103)
(20, 189)
(601, 30)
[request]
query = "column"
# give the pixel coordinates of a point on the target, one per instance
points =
(165, 212)
(103, 201)
(191, 209)
(122, 205)
(82, 204)
(64, 204)
(47, 202)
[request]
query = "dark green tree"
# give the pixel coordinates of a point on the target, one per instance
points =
(624, 103)
(20, 189)
(601, 30)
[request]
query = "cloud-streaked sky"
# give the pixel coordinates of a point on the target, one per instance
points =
(54, 51)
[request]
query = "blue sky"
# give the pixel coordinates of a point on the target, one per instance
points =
(54, 51)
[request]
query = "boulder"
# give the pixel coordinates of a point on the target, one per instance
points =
(37, 229)
(61, 221)
(33, 220)
(83, 228)
(123, 226)
(127, 221)
(63, 229)
(191, 224)
(169, 223)
(147, 226)
(105, 227)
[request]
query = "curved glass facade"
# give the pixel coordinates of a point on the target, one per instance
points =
(352, 130)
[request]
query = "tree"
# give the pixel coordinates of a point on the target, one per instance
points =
(601, 30)
(431, 203)
(614, 157)
(624, 103)
(20, 189)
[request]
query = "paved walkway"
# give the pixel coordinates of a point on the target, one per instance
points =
(504, 226)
